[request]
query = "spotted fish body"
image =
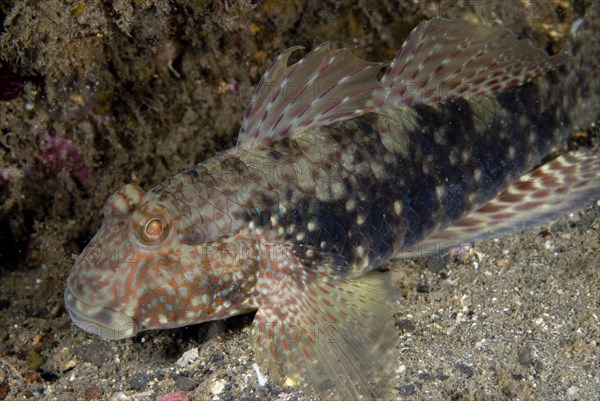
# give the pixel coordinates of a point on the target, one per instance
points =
(329, 183)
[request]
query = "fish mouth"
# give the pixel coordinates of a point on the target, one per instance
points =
(105, 322)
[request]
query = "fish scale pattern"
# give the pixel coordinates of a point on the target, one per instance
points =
(460, 155)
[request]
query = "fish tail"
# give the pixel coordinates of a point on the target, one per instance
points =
(582, 69)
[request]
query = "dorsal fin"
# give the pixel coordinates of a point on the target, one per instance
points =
(444, 59)
(324, 87)
(440, 60)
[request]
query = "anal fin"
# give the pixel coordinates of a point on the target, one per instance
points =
(559, 186)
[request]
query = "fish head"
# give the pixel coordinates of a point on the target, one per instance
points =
(141, 271)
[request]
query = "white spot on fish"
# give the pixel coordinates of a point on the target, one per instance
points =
(360, 219)
(397, 207)
(337, 189)
(440, 191)
(439, 137)
(452, 157)
(350, 205)
(360, 251)
(466, 155)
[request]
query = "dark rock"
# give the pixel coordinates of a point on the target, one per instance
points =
(4, 304)
(96, 353)
(407, 390)
(423, 288)
(424, 376)
(464, 369)
(4, 390)
(406, 325)
(139, 381)
(524, 356)
(185, 383)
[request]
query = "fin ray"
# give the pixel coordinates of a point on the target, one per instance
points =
(443, 59)
(324, 332)
(324, 87)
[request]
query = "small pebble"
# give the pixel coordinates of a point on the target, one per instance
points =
(406, 326)
(524, 356)
(93, 393)
(4, 390)
(218, 387)
(424, 376)
(139, 381)
(262, 380)
(34, 359)
(188, 357)
(464, 369)
(572, 390)
(4, 304)
(407, 390)
(185, 383)
(176, 396)
(97, 353)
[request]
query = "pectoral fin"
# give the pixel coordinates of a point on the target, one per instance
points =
(329, 334)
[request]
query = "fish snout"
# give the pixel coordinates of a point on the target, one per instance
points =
(105, 322)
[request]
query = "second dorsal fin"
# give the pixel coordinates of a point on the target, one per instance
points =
(445, 59)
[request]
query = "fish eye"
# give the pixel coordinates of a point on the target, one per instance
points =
(153, 229)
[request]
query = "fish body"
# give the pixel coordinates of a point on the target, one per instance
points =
(334, 180)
